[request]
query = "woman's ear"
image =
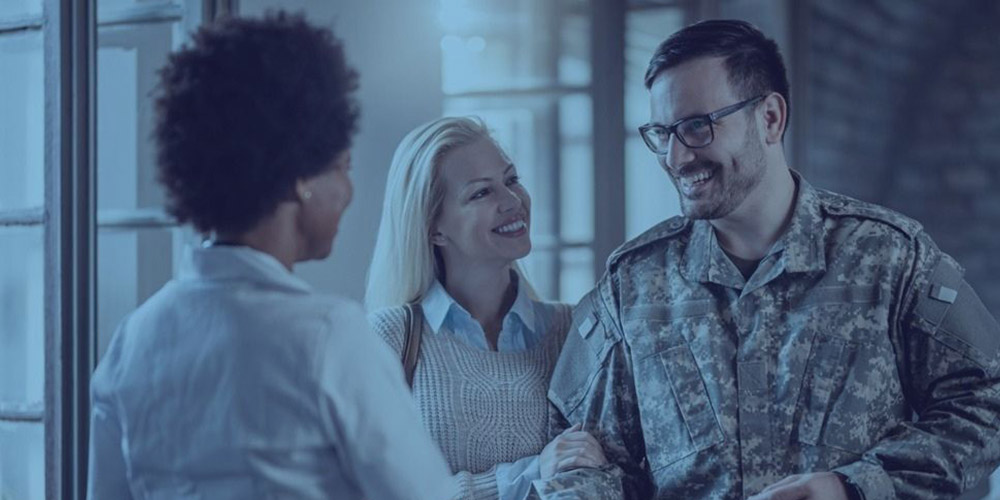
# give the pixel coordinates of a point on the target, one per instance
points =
(302, 191)
(437, 238)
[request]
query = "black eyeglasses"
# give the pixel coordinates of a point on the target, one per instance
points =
(694, 131)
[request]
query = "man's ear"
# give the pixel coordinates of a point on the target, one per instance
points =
(775, 117)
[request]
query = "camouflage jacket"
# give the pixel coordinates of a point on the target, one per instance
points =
(856, 346)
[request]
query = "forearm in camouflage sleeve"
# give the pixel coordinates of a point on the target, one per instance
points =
(949, 360)
(580, 484)
(592, 386)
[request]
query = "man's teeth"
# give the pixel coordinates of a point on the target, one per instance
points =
(510, 228)
(699, 177)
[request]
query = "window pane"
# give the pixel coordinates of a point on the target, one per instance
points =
(504, 44)
(577, 276)
(22, 329)
(644, 30)
(128, 58)
(104, 6)
(576, 164)
(539, 266)
(131, 266)
(574, 50)
(525, 126)
(17, 9)
(650, 197)
(22, 120)
(22, 461)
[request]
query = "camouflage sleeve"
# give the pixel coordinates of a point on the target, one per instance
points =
(948, 356)
(580, 484)
(593, 386)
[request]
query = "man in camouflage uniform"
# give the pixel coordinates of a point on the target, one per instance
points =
(780, 341)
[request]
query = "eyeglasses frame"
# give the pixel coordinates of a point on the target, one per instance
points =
(712, 117)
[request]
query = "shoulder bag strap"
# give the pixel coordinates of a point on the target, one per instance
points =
(411, 344)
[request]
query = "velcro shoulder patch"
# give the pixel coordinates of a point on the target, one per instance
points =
(587, 343)
(959, 317)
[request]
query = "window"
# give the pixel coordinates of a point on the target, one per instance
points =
(138, 245)
(22, 251)
(62, 178)
(650, 196)
(554, 88)
(524, 67)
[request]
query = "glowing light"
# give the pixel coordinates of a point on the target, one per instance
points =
(475, 44)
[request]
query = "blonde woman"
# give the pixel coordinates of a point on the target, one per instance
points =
(455, 220)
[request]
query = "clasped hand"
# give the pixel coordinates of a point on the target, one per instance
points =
(572, 449)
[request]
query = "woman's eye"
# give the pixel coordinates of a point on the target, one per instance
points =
(480, 194)
(514, 180)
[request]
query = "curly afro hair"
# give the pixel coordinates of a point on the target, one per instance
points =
(246, 110)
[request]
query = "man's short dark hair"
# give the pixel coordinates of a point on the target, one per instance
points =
(244, 111)
(752, 60)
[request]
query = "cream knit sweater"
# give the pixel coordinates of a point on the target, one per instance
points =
(482, 407)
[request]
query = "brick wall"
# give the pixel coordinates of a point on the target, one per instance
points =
(903, 100)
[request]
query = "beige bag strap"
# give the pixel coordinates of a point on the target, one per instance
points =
(411, 342)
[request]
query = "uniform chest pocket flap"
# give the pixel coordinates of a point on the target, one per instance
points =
(677, 413)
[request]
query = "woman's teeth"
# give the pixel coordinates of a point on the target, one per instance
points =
(510, 228)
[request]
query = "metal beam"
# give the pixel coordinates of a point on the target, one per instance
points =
(146, 218)
(140, 14)
(19, 412)
(23, 217)
(20, 23)
(608, 90)
(71, 286)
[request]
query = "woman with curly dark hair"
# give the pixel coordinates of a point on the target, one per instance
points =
(235, 380)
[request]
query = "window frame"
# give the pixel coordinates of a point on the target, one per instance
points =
(69, 220)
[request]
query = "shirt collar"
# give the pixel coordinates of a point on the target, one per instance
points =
(437, 304)
(523, 307)
(240, 263)
(802, 243)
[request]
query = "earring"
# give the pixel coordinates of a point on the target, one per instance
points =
(306, 195)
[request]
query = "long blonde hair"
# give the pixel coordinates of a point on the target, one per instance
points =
(404, 264)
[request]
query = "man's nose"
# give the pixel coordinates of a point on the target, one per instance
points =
(677, 154)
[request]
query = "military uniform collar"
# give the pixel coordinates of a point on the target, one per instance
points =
(704, 260)
(800, 247)
(802, 244)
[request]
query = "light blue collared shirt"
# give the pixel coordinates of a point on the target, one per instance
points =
(523, 327)
(520, 329)
(237, 381)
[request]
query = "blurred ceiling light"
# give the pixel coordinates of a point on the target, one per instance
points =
(475, 44)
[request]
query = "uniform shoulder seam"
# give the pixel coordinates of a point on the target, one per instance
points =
(839, 205)
(665, 230)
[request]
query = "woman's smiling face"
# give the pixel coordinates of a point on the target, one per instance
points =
(486, 213)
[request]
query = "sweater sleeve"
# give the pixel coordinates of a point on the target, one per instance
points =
(371, 418)
(479, 486)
